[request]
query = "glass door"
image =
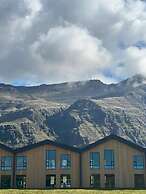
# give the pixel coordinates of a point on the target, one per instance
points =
(139, 180)
(21, 181)
(6, 181)
(110, 181)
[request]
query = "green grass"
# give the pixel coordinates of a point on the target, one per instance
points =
(78, 191)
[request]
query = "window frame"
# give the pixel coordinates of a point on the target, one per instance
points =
(68, 166)
(47, 160)
(110, 181)
(68, 185)
(95, 184)
(47, 178)
(6, 167)
(23, 178)
(109, 164)
(136, 162)
(92, 166)
(24, 163)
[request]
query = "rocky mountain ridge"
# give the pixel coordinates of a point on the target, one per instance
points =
(76, 113)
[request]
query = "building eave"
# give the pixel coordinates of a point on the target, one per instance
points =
(114, 137)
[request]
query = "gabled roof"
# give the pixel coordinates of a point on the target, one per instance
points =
(6, 148)
(46, 142)
(71, 148)
(114, 137)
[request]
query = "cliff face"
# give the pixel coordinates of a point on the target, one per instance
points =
(75, 113)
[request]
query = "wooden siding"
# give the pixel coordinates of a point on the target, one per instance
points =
(123, 171)
(6, 172)
(36, 167)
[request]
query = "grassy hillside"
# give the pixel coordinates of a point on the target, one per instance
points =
(79, 191)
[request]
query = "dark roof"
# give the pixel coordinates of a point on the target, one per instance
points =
(45, 142)
(115, 137)
(74, 149)
(7, 148)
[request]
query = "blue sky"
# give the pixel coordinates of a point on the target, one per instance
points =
(51, 41)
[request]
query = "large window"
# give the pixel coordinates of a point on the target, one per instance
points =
(138, 162)
(65, 181)
(95, 181)
(50, 181)
(50, 159)
(65, 161)
(6, 163)
(20, 181)
(94, 160)
(139, 181)
(109, 159)
(109, 181)
(21, 162)
(5, 181)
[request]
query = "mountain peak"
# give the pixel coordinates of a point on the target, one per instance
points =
(134, 81)
(74, 113)
(138, 78)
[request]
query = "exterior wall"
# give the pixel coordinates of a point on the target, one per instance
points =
(123, 171)
(36, 167)
(6, 172)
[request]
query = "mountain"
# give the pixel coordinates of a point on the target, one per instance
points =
(76, 113)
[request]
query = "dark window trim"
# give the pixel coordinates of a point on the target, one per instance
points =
(24, 164)
(9, 177)
(25, 178)
(6, 167)
(51, 186)
(69, 180)
(111, 164)
(92, 166)
(114, 181)
(47, 164)
(135, 163)
(94, 185)
(68, 165)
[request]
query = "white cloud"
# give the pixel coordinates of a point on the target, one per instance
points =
(70, 53)
(51, 40)
(134, 61)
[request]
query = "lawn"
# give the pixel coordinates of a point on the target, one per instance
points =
(79, 191)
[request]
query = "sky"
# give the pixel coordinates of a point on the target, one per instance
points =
(52, 41)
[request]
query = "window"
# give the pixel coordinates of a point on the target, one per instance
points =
(138, 162)
(65, 161)
(20, 181)
(51, 159)
(6, 163)
(21, 162)
(139, 181)
(109, 181)
(5, 181)
(50, 181)
(95, 181)
(109, 159)
(94, 160)
(65, 181)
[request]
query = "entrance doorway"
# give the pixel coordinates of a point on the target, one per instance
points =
(20, 181)
(139, 180)
(6, 181)
(95, 180)
(109, 181)
(50, 181)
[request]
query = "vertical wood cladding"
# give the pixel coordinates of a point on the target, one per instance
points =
(36, 167)
(80, 170)
(123, 170)
(4, 153)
